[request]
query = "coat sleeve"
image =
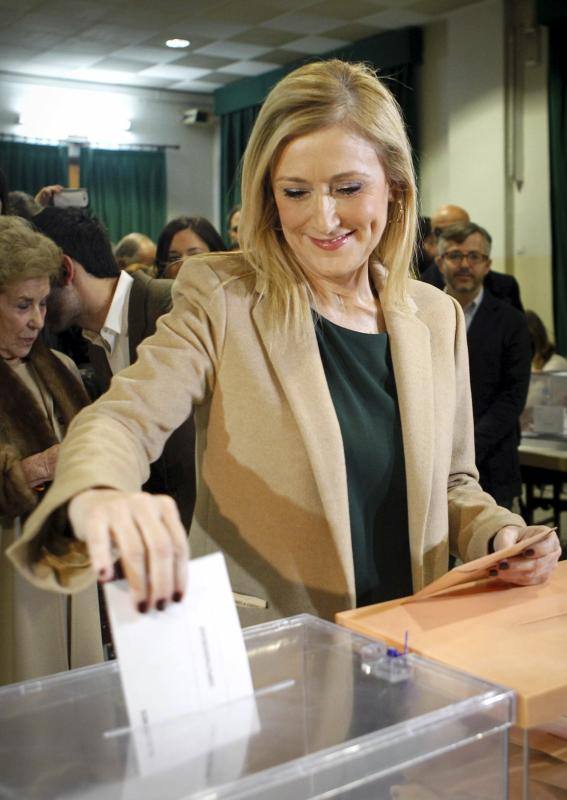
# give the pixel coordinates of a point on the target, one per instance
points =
(474, 517)
(16, 497)
(112, 442)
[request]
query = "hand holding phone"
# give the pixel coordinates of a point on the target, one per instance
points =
(71, 198)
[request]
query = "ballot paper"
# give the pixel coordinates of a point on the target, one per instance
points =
(188, 658)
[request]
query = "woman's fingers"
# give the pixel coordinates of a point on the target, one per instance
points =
(147, 534)
(133, 558)
(159, 551)
(526, 571)
(536, 563)
(172, 520)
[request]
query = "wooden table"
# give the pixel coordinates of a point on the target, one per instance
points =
(543, 463)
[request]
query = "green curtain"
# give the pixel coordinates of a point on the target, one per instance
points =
(558, 173)
(30, 167)
(235, 130)
(127, 189)
(394, 54)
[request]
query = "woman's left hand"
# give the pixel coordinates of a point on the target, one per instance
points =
(535, 564)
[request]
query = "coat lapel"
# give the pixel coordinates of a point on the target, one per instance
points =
(296, 362)
(411, 358)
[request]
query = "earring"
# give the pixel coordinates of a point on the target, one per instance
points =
(397, 215)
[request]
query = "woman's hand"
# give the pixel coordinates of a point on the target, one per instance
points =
(535, 564)
(146, 533)
(40, 467)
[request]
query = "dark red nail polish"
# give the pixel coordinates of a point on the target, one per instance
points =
(493, 573)
(529, 552)
(142, 607)
(177, 597)
(504, 565)
(101, 574)
(160, 604)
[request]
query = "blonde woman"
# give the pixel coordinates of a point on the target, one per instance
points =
(331, 395)
(40, 392)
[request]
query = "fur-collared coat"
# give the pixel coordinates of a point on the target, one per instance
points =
(33, 623)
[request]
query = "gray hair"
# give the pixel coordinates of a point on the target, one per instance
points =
(25, 253)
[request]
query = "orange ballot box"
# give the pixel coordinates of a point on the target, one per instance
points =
(511, 635)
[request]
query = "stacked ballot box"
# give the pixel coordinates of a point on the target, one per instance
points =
(334, 715)
(545, 414)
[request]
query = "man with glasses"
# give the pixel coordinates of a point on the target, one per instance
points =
(503, 286)
(499, 358)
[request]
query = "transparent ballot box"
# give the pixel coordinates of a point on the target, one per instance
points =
(545, 414)
(333, 715)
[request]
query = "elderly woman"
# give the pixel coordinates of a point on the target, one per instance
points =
(331, 393)
(183, 237)
(40, 394)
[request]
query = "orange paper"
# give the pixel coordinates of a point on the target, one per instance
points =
(478, 569)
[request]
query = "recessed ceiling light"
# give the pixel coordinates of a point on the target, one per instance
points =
(178, 43)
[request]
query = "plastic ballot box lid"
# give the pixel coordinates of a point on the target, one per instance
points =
(513, 635)
(333, 715)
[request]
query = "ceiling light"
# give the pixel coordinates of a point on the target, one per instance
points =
(178, 43)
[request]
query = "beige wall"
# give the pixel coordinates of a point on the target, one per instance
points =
(466, 127)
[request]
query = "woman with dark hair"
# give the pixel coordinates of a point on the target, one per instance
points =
(544, 358)
(184, 237)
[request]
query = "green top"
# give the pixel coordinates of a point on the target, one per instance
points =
(359, 373)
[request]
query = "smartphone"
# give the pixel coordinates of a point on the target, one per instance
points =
(71, 198)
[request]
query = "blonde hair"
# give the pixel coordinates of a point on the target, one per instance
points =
(25, 253)
(313, 97)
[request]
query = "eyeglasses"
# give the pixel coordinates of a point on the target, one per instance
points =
(473, 257)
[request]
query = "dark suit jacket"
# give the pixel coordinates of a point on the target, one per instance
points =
(504, 287)
(174, 472)
(499, 362)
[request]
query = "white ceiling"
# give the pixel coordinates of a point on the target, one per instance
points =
(123, 41)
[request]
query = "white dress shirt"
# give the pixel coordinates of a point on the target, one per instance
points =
(471, 308)
(113, 336)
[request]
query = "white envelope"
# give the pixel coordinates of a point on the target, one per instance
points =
(189, 657)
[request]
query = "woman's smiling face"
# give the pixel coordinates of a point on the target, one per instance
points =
(332, 198)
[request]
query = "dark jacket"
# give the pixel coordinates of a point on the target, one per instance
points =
(504, 287)
(499, 362)
(174, 472)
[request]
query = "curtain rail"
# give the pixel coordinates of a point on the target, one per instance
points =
(12, 137)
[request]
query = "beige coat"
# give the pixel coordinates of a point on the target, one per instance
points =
(272, 489)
